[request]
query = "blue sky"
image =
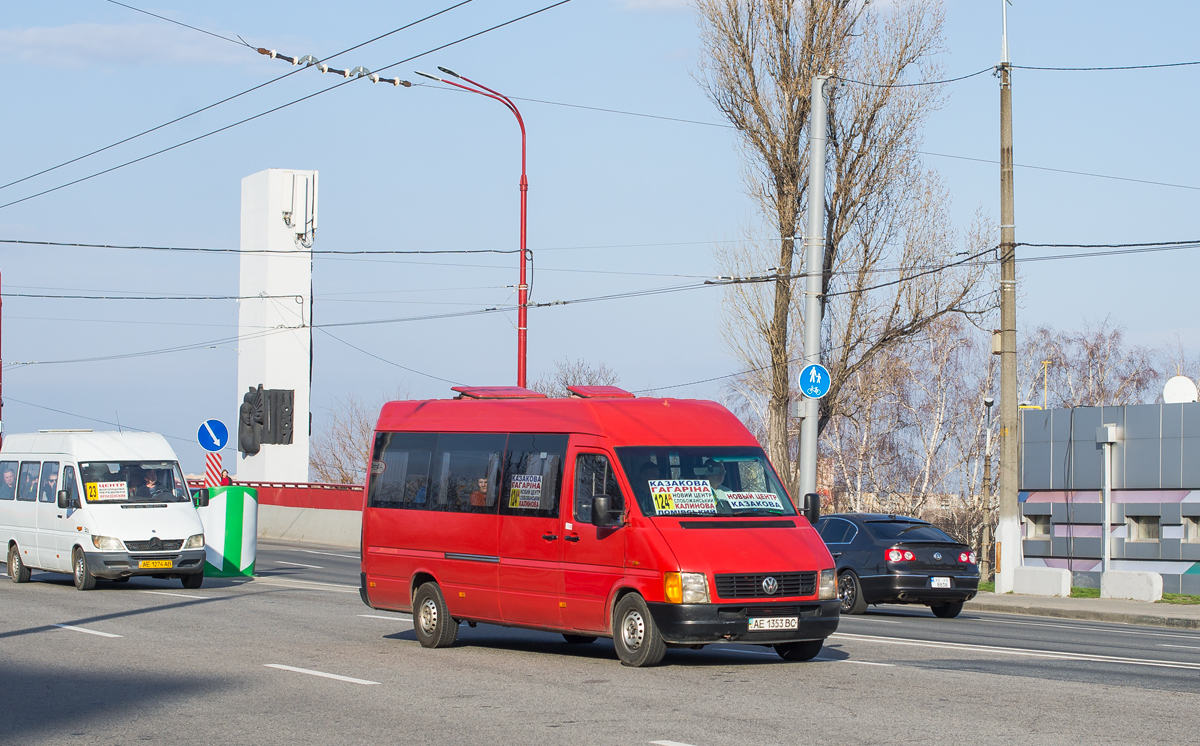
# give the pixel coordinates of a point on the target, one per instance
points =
(617, 203)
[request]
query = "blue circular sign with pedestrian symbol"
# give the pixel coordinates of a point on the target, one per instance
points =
(213, 435)
(814, 381)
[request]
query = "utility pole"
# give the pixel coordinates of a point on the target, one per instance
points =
(985, 564)
(814, 241)
(1009, 552)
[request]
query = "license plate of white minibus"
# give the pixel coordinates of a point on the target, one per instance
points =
(764, 624)
(154, 565)
(940, 582)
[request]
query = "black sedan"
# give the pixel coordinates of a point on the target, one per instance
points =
(892, 559)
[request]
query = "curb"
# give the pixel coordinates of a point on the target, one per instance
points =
(1149, 620)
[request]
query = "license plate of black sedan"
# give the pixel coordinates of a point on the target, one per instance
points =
(770, 623)
(940, 582)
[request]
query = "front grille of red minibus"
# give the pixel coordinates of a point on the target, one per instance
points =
(751, 585)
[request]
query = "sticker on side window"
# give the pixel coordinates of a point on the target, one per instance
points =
(526, 491)
(673, 496)
(753, 501)
(101, 491)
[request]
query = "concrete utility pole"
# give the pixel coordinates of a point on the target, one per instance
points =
(985, 564)
(814, 242)
(1009, 552)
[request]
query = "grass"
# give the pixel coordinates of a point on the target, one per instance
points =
(987, 587)
(1077, 592)
(1179, 598)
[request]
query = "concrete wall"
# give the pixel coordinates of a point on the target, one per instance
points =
(335, 527)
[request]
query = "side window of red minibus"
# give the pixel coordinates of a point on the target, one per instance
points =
(594, 477)
(533, 467)
(466, 472)
(400, 470)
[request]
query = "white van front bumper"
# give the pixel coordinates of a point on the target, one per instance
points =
(112, 565)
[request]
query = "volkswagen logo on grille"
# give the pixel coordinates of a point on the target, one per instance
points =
(937, 556)
(770, 585)
(156, 543)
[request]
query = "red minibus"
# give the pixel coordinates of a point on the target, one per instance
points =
(656, 522)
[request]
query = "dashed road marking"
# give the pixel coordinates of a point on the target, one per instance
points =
(861, 663)
(330, 554)
(177, 595)
(1115, 630)
(389, 618)
(669, 743)
(298, 564)
(1189, 647)
(322, 674)
(1027, 652)
(304, 585)
(88, 631)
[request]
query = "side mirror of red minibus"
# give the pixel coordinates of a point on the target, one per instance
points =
(602, 516)
(812, 507)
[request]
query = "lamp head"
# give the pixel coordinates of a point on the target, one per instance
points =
(448, 71)
(427, 75)
(988, 402)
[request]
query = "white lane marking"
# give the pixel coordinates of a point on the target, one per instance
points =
(330, 554)
(1054, 655)
(390, 618)
(861, 663)
(669, 743)
(298, 564)
(320, 673)
(89, 631)
(877, 619)
(306, 585)
(1189, 647)
(1089, 629)
(177, 595)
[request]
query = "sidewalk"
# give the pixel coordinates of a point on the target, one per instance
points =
(1094, 609)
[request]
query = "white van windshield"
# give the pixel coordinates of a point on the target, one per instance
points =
(133, 481)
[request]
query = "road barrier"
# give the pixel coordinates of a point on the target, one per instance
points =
(316, 512)
(230, 531)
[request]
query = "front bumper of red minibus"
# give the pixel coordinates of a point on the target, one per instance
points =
(693, 624)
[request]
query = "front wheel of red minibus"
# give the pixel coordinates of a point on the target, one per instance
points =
(431, 619)
(635, 635)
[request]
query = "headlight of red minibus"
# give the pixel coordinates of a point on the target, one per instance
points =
(685, 587)
(828, 585)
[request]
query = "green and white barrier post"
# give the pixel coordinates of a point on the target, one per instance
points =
(230, 531)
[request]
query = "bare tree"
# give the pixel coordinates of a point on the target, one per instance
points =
(888, 241)
(1092, 367)
(341, 446)
(579, 372)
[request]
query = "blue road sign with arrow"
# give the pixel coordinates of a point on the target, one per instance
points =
(814, 381)
(213, 435)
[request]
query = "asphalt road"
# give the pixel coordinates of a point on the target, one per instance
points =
(293, 657)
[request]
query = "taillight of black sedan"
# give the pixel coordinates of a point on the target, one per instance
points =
(896, 559)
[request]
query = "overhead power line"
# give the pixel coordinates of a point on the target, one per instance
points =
(228, 99)
(199, 250)
(912, 85)
(239, 41)
(1101, 69)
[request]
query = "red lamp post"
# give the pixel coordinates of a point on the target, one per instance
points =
(523, 287)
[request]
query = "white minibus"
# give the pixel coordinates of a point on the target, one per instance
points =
(98, 505)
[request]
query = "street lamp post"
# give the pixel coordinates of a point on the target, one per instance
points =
(523, 287)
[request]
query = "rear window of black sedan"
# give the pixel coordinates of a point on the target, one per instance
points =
(905, 531)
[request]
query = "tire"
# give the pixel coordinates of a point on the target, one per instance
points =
(431, 618)
(579, 639)
(193, 581)
(84, 579)
(635, 635)
(947, 611)
(850, 593)
(17, 570)
(805, 650)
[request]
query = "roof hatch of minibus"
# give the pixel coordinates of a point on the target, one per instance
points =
(599, 392)
(496, 392)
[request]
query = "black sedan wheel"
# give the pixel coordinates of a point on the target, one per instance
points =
(947, 611)
(850, 591)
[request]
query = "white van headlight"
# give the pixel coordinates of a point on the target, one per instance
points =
(108, 543)
(195, 541)
(829, 590)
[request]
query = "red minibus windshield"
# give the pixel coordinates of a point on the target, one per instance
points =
(698, 481)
